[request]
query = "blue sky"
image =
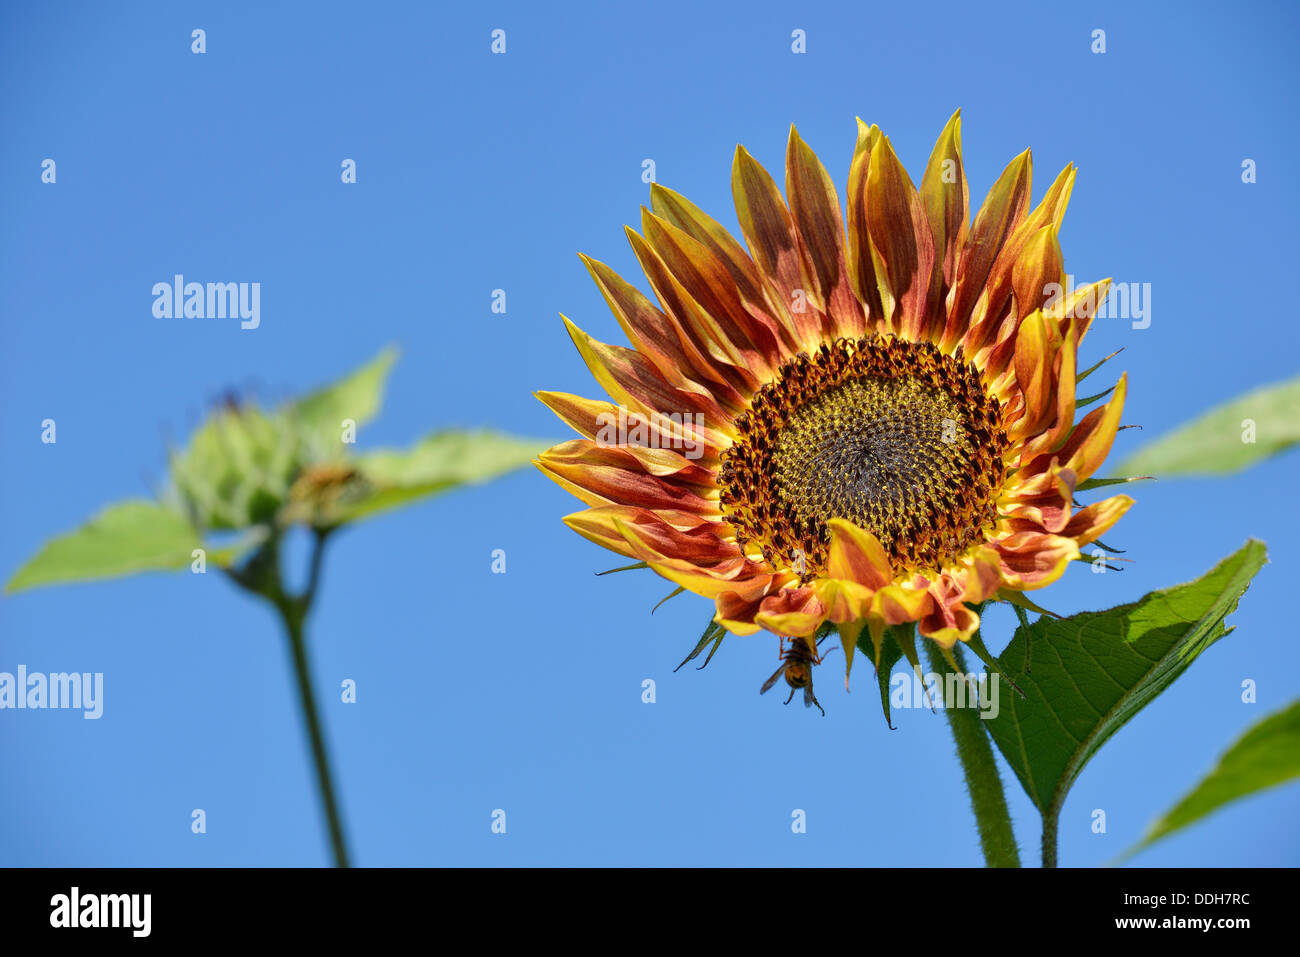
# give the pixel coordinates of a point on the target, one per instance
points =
(476, 172)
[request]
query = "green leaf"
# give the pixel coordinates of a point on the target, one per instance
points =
(1094, 671)
(890, 652)
(713, 632)
(442, 461)
(133, 536)
(622, 568)
(1267, 755)
(1089, 484)
(1216, 443)
(358, 397)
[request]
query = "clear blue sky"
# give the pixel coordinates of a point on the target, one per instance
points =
(475, 172)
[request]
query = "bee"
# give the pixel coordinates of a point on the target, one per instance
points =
(797, 664)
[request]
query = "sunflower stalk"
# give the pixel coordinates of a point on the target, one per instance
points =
(988, 801)
(262, 576)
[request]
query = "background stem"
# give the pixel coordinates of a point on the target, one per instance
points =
(261, 575)
(293, 623)
(997, 839)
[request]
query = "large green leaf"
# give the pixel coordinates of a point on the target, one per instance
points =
(358, 396)
(1094, 671)
(129, 537)
(435, 464)
(1226, 439)
(1267, 755)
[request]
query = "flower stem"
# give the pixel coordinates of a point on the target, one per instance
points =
(262, 576)
(1050, 821)
(293, 624)
(993, 820)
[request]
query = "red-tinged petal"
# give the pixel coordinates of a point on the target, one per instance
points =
(736, 614)
(709, 284)
(982, 574)
(995, 302)
(1003, 210)
(815, 208)
(947, 621)
(898, 603)
(1089, 524)
(611, 476)
(740, 577)
(1051, 209)
(901, 240)
(1039, 265)
(631, 379)
(796, 612)
(1056, 428)
(1045, 499)
(844, 601)
(1038, 345)
(714, 355)
(856, 555)
(736, 609)
(946, 198)
(659, 444)
(769, 232)
(1033, 560)
(651, 332)
(861, 264)
(1077, 310)
(1035, 275)
(653, 540)
(1089, 443)
(685, 215)
(672, 467)
(704, 536)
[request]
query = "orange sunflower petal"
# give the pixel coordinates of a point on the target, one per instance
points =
(946, 198)
(815, 208)
(1003, 210)
(769, 232)
(902, 243)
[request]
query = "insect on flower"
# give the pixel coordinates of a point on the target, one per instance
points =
(797, 664)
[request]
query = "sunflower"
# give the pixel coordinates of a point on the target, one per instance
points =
(861, 427)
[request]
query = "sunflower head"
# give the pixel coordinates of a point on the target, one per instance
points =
(237, 470)
(864, 416)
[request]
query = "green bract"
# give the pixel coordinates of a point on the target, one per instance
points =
(237, 469)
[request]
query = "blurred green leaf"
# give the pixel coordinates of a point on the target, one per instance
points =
(1267, 755)
(129, 537)
(442, 461)
(1216, 442)
(1094, 671)
(358, 396)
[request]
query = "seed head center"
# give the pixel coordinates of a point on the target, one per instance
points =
(892, 435)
